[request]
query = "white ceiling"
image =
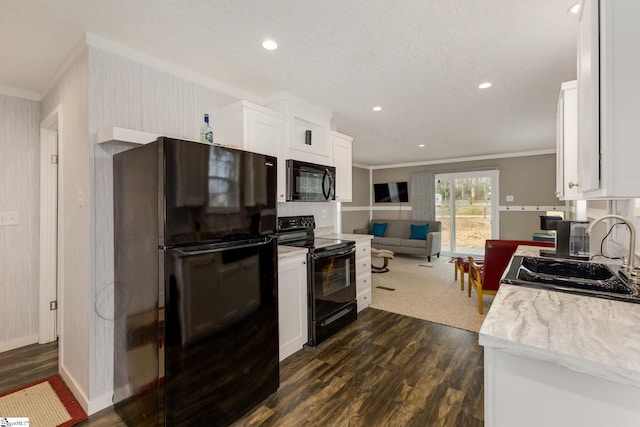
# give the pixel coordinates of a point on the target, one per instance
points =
(421, 60)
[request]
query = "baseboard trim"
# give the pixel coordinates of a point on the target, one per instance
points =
(18, 342)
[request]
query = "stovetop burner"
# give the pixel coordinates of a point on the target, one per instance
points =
(298, 231)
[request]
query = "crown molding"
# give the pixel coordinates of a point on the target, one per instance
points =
(459, 159)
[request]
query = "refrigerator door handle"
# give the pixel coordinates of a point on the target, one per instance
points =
(224, 248)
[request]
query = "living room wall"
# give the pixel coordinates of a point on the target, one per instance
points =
(356, 214)
(530, 179)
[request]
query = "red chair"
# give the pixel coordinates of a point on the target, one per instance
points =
(497, 254)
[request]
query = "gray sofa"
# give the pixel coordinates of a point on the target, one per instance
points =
(396, 237)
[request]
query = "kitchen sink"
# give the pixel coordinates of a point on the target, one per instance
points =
(584, 278)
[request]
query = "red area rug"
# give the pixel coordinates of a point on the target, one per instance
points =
(46, 403)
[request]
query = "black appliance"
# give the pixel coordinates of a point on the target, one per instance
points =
(572, 241)
(195, 300)
(331, 276)
(309, 182)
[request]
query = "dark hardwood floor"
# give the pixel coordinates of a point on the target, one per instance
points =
(383, 370)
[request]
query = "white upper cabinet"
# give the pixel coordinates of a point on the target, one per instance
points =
(309, 142)
(253, 128)
(566, 143)
(342, 160)
(309, 126)
(608, 99)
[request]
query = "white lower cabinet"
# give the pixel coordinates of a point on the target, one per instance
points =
(292, 304)
(526, 392)
(363, 273)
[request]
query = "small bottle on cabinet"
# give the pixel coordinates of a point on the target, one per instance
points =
(206, 132)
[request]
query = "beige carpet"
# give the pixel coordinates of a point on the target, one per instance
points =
(428, 293)
(46, 403)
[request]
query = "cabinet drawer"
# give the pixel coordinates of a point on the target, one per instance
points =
(363, 250)
(363, 265)
(364, 299)
(363, 282)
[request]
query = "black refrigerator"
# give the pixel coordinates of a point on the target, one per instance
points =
(195, 295)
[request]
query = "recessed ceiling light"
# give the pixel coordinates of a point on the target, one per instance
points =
(269, 44)
(377, 108)
(484, 85)
(420, 145)
(575, 8)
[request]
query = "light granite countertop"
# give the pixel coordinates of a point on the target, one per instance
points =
(595, 336)
(285, 252)
(347, 236)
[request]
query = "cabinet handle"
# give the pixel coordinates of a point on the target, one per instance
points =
(572, 184)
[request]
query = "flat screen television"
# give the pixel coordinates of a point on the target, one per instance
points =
(391, 192)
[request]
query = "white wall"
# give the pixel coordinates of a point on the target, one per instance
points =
(325, 214)
(19, 244)
(617, 243)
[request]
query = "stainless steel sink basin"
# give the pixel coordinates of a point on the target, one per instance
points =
(585, 278)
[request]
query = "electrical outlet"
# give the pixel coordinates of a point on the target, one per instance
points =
(8, 218)
(509, 198)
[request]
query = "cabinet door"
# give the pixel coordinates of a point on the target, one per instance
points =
(292, 305)
(567, 143)
(588, 97)
(342, 160)
(312, 149)
(559, 148)
(264, 133)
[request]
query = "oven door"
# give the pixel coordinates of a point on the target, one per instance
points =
(332, 293)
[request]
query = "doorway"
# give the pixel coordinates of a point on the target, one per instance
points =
(467, 207)
(49, 228)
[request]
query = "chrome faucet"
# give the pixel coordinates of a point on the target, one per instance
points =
(630, 267)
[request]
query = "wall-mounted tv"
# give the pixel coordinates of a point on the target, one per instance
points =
(391, 192)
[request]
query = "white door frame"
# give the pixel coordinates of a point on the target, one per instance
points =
(50, 219)
(495, 196)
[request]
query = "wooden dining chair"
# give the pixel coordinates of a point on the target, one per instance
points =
(461, 266)
(476, 277)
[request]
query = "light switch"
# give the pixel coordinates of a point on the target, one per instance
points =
(509, 198)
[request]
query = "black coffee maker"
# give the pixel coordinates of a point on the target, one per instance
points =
(572, 240)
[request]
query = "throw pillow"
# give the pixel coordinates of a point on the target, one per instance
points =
(419, 232)
(378, 229)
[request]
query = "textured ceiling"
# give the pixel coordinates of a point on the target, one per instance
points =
(421, 60)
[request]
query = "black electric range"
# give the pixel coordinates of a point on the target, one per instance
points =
(331, 283)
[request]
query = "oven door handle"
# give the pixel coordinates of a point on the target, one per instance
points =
(224, 247)
(335, 252)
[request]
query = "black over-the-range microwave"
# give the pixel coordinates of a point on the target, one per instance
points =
(310, 182)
